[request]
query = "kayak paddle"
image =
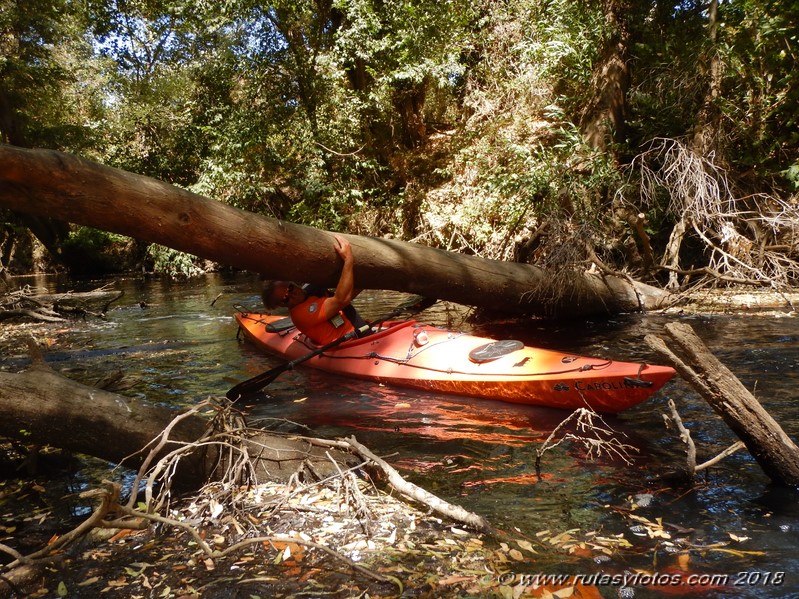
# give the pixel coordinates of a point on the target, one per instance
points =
(251, 386)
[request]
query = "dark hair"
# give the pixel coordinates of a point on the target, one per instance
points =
(268, 294)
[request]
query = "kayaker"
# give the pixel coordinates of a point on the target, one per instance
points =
(322, 316)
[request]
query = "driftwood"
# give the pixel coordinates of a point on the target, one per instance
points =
(40, 406)
(673, 418)
(436, 504)
(61, 186)
(32, 304)
(773, 450)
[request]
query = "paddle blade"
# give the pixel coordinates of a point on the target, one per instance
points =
(255, 384)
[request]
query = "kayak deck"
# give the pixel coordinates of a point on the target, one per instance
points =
(416, 355)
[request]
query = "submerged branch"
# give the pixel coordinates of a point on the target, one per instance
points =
(435, 503)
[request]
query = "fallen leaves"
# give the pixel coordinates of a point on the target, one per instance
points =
(374, 531)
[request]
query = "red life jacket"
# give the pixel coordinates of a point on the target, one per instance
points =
(309, 318)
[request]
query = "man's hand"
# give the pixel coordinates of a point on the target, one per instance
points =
(343, 248)
(345, 289)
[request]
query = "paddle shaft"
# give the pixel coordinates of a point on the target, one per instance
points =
(260, 381)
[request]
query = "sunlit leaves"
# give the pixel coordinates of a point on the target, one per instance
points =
(454, 122)
(761, 91)
(48, 93)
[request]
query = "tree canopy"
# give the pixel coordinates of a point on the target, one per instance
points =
(655, 137)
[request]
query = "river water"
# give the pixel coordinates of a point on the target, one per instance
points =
(180, 339)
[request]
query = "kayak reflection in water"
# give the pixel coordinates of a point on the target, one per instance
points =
(323, 317)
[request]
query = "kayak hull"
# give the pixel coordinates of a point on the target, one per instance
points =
(420, 356)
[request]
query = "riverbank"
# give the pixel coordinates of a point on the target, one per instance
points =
(334, 538)
(341, 537)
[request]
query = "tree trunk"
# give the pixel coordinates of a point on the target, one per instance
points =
(671, 257)
(58, 185)
(705, 140)
(776, 453)
(41, 407)
(605, 117)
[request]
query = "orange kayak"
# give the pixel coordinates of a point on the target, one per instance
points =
(412, 354)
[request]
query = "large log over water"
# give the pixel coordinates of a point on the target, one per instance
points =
(41, 407)
(57, 185)
(774, 450)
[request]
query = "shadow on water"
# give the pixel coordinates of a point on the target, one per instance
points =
(481, 454)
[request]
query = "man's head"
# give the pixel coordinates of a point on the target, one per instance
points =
(281, 293)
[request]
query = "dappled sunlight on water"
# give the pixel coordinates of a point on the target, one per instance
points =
(182, 345)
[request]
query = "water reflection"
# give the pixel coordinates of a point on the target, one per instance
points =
(481, 454)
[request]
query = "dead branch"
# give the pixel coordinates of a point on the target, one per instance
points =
(685, 437)
(747, 238)
(36, 304)
(156, 447)
(417, 493)
(737, 446)
(595, 435)
(774, 450)
(108, 503)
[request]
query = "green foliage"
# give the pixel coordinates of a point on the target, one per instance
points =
(91, 251)
(522, 159)
(459, 123)
(668, 86)
(792, 175)
(89, 239)
(49, 85)
(761, 92)
(172, 262)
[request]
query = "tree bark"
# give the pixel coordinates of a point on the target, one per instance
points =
(671, 257)
(42, 407)
(604, 119)
(774, 450)
(58, 185)
(709, 120)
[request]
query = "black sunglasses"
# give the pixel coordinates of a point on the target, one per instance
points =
(289, 289)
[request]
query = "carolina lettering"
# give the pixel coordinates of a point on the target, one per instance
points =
(602, 385)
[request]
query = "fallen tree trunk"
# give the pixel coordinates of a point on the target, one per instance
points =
(774, 450)
(41, 407)
(58, 185)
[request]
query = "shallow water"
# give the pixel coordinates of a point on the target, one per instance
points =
(481, 454)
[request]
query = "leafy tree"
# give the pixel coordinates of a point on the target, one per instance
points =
(49, 89)
(761, 88)
(496, 128)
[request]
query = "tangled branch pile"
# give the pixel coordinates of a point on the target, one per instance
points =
(746, 240)
(31, 303)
